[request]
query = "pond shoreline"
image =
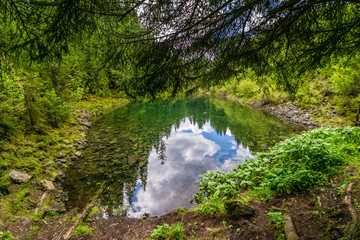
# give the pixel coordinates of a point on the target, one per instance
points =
(289, 111)
(302, 208)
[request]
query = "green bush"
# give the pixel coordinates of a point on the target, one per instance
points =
(290, 166)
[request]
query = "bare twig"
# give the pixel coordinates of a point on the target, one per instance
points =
(82, 216)
(40, 202)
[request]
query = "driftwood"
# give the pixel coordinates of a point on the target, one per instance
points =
(348, 199)
(71, 230)
(290, 231)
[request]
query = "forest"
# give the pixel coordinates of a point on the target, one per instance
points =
(66, 67)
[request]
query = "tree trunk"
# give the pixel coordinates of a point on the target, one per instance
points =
(27, 102)
(357, 115)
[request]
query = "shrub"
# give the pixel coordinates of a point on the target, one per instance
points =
(290, 166)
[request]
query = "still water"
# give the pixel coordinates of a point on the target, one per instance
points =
(151, 156)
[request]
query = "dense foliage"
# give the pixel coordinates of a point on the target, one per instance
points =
(176, 46)
(290, 166)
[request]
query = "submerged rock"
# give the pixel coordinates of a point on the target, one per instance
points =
(132, 159)
(236, 209)
(19, 176)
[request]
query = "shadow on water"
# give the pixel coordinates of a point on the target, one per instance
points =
(150, 155)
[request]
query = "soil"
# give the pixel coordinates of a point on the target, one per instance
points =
(317, 214)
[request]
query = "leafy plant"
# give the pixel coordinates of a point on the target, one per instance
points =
(176, 231)
(83, 229)
(277, 219)
(290, 166)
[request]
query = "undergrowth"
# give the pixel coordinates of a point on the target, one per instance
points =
(176, 231)
(277, 219)
(289, 167)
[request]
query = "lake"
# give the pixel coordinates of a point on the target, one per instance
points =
(151, 156)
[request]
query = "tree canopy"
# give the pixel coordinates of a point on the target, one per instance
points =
(172, 45)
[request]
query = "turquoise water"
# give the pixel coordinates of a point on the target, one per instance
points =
(151, 156)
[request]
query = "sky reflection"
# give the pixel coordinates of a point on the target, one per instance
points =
(190, 152)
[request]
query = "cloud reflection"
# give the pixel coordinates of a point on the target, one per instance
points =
(190, 152)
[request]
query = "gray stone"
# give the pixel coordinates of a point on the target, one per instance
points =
(19, 176)
(26, 221)
(62, 154)
(48, 163)
(87, 123)
(78, 154)
(265, 146)
(60, 160)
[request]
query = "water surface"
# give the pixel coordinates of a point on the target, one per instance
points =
(151, 156)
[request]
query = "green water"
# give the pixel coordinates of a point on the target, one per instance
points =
(150, 156)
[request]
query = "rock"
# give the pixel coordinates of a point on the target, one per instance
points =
(60, 160)
(55, 209)
(48, 184)
(235, 209)
(62, 154)
(48, 163)
(19, 176)
(78, 154)
(265, 146)
(81, 147)
(87, 123)
(73, 158)
(26, 221)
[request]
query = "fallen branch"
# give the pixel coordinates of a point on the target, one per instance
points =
(348, 200)
(40, 202)
(71, 230)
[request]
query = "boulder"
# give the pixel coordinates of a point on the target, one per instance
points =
(235, 209)
(19, 176)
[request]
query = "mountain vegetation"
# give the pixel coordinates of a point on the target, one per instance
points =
(58, 57)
